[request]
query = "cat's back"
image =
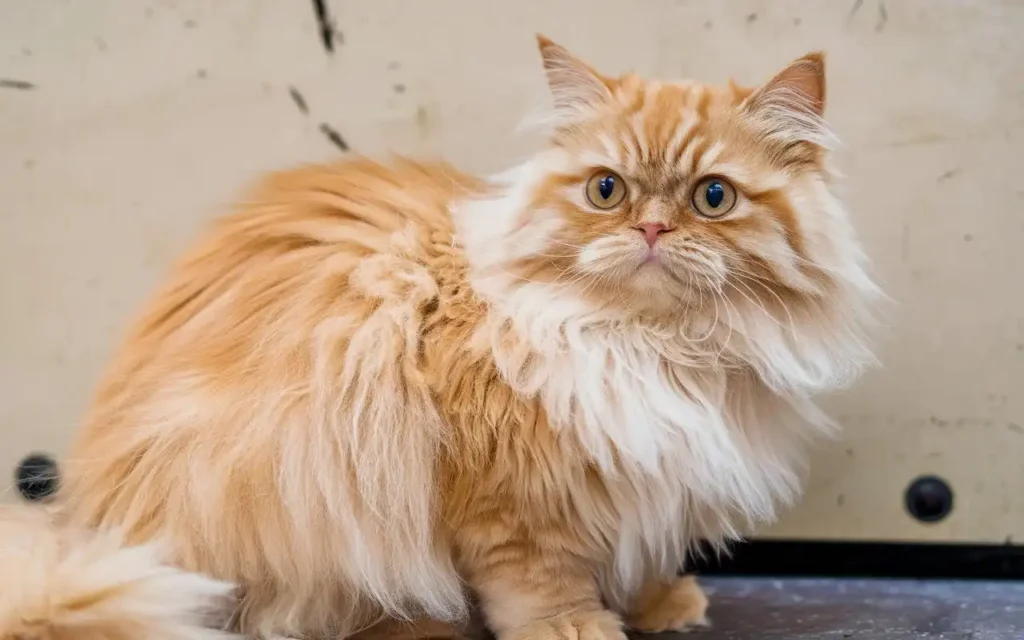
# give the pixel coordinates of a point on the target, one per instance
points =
(275, 367)
(348, 206)
(298, 244)
(384, 195)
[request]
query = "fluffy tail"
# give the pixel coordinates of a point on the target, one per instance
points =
(64, 585)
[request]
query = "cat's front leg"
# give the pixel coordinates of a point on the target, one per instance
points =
(677, 604)
(531, 593)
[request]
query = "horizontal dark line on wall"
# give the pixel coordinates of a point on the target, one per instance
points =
(866, 560)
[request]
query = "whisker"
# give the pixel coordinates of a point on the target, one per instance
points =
(752, 299)
(782, 303)
(728, 337)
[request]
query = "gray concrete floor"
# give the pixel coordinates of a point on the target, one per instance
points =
(792, 609)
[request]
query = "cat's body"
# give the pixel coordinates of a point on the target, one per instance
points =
(376, 389)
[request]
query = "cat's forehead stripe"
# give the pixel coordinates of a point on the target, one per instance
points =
(665, 130)
(688, 159)
(734, 171)
(680, 139)
(611, 150)
(641, 135)
(709, 157)
(664, 126)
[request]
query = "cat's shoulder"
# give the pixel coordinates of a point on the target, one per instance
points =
(353, 207)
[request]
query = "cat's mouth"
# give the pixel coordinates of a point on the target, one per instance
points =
(680, 271)
(652, 258)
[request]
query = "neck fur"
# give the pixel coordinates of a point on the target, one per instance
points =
(712, 406)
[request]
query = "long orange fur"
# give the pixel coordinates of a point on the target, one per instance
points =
(377, 390)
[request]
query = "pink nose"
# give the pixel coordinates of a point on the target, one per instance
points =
(651, 231)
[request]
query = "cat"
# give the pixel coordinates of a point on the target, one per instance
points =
(377, 391)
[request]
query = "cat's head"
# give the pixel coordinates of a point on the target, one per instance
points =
(709, 204)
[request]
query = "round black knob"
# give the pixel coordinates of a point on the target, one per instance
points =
(37, 476)
(929, 499)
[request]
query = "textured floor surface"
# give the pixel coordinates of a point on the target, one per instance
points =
(766, 609)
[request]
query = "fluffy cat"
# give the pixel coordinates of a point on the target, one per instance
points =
(378, 390)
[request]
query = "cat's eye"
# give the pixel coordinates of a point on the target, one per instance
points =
(714, 197)
(606, 190)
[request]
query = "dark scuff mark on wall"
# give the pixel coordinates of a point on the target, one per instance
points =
(327, 130)
(883, 17)
(299, 100)
(423, 121)
(331, 134)
(328, 33)
(20, 85)
(854, 9)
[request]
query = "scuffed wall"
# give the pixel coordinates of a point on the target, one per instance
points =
(125, 125)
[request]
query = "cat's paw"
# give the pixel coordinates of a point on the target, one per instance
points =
(677, 605)
(581, 625)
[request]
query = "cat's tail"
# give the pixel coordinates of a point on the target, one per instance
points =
(75, 585)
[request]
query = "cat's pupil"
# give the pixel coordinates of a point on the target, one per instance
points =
(606, 186)
(715, 194)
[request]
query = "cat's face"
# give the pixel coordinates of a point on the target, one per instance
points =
(657, 193)
(701, 212)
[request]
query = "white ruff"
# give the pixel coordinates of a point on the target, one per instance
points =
(697, 426)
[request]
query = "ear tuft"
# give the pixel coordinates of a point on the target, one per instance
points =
(806, 77)
(792, 103)
(577, 90)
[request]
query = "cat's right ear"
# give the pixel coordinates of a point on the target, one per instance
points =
(790, 107)
(577, 90)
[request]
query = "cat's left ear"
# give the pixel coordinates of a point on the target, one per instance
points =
(792, 103)
(577, 90)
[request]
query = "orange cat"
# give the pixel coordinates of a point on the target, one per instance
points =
(377, 390)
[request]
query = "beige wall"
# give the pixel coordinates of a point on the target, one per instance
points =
(144, 118)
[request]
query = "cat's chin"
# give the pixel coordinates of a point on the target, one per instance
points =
(658, 287)
(652, 275)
